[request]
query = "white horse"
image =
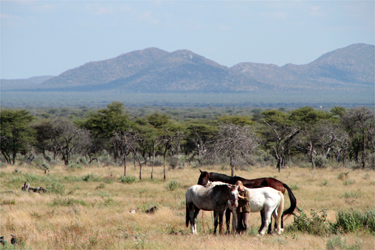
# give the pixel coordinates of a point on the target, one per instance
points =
(266, 200)
(214, 199)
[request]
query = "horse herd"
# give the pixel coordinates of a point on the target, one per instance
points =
(218, 192)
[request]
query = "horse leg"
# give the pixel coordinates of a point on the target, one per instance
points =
(195, 216)
(270, 226)
(221, 219)
(267, 220)
(234, 221)
(262, 220)
(216, 215)
(227, 219)
(240, 226)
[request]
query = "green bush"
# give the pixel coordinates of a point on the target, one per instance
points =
(91, 177)
(56, 188)
(371, 161)
(127, 179)
(315, 225)
(74, 167)
(352, 221)
(320, 162)
(348, 182)
(172, 185)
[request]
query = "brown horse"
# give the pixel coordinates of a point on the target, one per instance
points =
(251, 183)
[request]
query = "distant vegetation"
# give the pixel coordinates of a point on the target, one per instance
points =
(157, 136)
(46, 99)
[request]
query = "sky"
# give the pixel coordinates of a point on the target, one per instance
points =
(49, 37)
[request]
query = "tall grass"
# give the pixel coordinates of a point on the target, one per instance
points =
(89, 208)
(353, 221)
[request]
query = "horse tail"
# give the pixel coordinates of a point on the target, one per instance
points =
(280, 209)
(293, 202)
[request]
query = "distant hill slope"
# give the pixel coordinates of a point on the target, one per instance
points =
(23, 83)
(154, 70)
(347, 68)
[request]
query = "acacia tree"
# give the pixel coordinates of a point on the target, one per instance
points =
(360, 121)
(124, 143)
(233, 142)
(103, 123)
(326, 137)
(307, 119)
(167, 136)
(196, 140)
(15, 133)
(280, 135)
(66, 138)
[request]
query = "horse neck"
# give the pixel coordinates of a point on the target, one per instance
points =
(222, 177)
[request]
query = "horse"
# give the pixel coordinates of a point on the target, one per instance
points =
(251, 183)
(210, 199)
(266, 200)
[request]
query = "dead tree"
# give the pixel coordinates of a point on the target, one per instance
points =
(233, 142)
(283, 138)
(125, 143)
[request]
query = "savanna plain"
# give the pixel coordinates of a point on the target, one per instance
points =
(89, 208)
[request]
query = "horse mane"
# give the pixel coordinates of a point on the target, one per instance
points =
(222, 177)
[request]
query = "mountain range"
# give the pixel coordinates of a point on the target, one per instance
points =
(155, 70)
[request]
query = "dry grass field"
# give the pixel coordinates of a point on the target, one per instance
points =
(92, 210)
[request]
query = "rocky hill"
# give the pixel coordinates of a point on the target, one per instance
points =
(154, 70)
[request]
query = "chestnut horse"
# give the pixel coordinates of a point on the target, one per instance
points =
(251, 183)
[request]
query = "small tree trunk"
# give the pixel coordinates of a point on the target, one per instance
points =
(364, 150)
(124, 164)
(164, 171)
(312, 156)
(153, 164)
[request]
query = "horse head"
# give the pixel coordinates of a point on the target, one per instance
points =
(233, 197)
(203, 178)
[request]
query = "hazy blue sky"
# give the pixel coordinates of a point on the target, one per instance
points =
(50, 37)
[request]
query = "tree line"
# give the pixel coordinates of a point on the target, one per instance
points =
(305, 134)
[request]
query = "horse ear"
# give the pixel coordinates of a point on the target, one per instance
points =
(200, 170)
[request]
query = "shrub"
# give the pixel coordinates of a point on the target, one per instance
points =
(316, 224)
(348, 182)
(172, 185)
(127, 179)
(91, 177)
(343, 176)
(351, 221)
(371, 161)
(74, 167)
(320, 162)
(56, 188)
(173, 162)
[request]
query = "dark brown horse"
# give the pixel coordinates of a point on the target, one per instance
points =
(252, 183)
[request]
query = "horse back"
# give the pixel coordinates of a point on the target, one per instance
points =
(264, 182)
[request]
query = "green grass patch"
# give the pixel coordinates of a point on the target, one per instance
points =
(56, 188)
(68, 202)
(127, 179)
(172, 185)
(315, 225)
(348, 182)
(352, 221)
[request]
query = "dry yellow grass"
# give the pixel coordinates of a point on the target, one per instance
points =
(99, 217)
